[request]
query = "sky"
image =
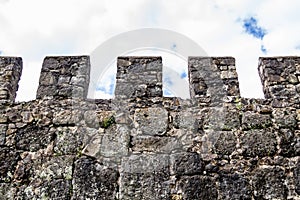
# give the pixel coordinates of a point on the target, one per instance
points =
(244, 29)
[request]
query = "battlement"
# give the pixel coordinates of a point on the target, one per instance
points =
(215, 77)
(141, 145)
(10, 73)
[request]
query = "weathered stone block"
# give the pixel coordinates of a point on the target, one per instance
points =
(155, 144)
(94, 181)
(198, 187)
(52, 177)
(10, 73)
(7, 191)
(68, 140)
(115, 141)
(3, 129)
(285, 117)
(269, 183)
(136, 77)
(186, 164)
(145, 177)
(289, 142)
(8, 161)
(296, 174)
(64, 77)
(259, 143)
(225, 143)
(151, 121)
(252, 120)
(33, 138)
(234, 186)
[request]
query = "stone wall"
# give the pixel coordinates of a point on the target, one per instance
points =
(141, 145)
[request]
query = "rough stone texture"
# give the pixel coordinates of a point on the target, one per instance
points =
(64, 77)
(297, 177)
(140, 145)
(151, 121)
(92, 180)
(10, 73)
(268, 183)
(280, 77)
(198, 187)
(145, 177)
(139, 77)
(213, 76)
(234, 186)
(259, 143)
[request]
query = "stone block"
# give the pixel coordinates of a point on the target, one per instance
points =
(155, 144)
(136, 77)
(186, 164)
(145, 177)
(225, 143)
(151, 121)
(198, 187)
(252, 120)
(296, 174)
(3, 129)
(9, 158)
(259, 143)
(234, 186)
(33, 138)
(269, 183)
(64, 77)
(10, 73)
(94, 181)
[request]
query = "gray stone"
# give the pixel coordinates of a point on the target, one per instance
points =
(289, 142)
(198, 187)
(297, 177)
(155, 144)
(259, 143)
(285, 118)
(94, 181)
(8, 162)
(145, 177)
(151, 121)
(61, 74)
(68, 140)
(269, 183)
(226, 143)
(186, 164)
(234, 186)
(115, 141)
(3, 129)
(33, 138)
(252, 120)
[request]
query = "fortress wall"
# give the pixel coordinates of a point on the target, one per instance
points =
(141, 145)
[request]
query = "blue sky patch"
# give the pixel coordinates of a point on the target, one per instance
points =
(263, 49)
(167, 92)
(107, 89)
(0, 52)
(167, 81)
(251, 27)
(174, 47)
(183, 75)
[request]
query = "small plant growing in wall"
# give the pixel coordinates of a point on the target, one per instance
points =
(108, 121)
